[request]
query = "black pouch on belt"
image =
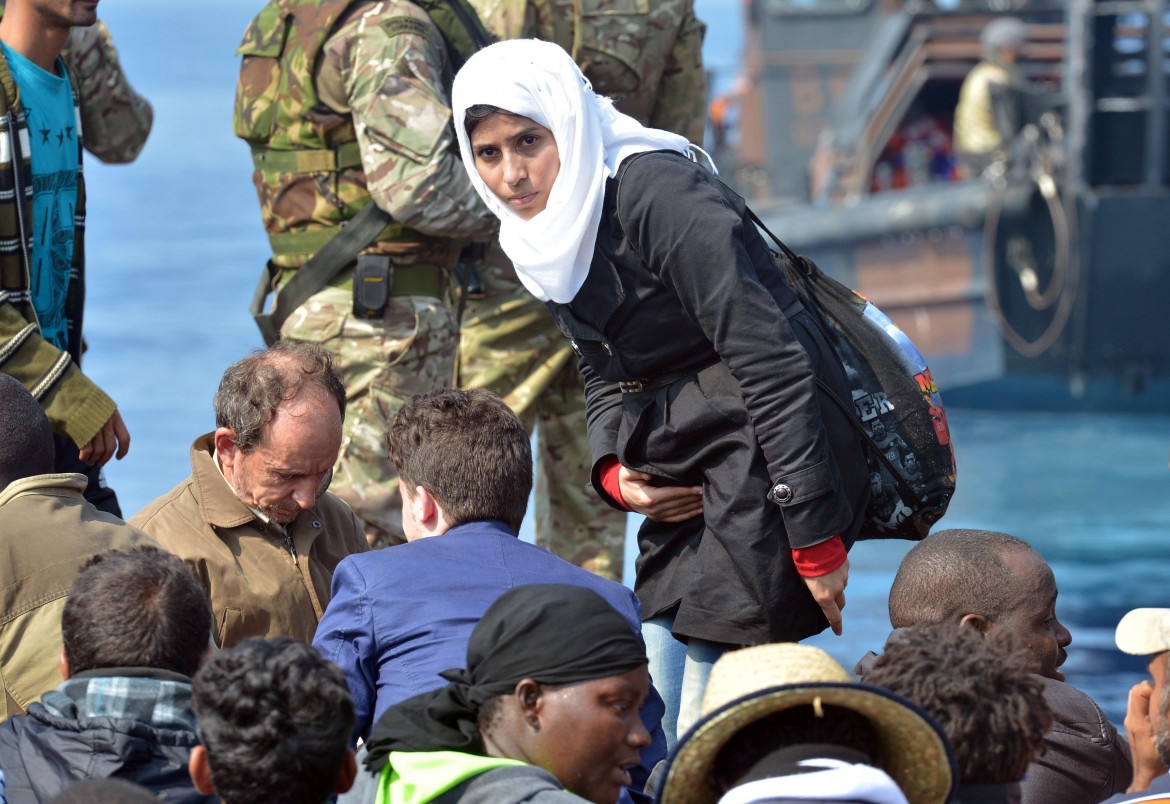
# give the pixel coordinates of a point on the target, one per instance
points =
(372, 280)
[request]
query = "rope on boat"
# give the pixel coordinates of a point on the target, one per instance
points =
(1062, 286)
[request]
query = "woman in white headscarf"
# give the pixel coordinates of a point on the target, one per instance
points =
(700, 364)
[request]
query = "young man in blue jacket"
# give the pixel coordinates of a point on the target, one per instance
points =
(400, 616)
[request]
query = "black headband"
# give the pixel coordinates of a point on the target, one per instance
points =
(551, 633)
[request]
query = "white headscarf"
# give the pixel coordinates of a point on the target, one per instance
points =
(539, 80)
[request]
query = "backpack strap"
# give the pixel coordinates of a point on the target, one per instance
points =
(810, 302)
(789, 253)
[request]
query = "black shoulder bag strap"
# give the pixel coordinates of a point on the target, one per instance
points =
(319, 271)
(810, 301)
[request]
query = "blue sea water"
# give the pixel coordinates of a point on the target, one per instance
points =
(175, 247)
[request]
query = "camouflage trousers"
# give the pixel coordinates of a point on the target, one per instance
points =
(509, 344)
(382, 363)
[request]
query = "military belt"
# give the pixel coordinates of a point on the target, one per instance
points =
(292, 244)
(408, 280)
(325, 160)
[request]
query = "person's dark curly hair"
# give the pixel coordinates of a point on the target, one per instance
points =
(274, 717)
(978, 688)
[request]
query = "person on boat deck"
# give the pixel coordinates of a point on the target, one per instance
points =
(254, 520)
(48, 530)
(701, 367)
(546, 709)
(135, 630)
(784, 724)
(987, 116)
(996, 583)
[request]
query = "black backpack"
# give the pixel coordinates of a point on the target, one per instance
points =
(896, 405)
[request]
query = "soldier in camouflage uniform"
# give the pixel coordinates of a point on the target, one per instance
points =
(647, 57)
(370, 124)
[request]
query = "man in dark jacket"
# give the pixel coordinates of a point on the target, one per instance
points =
(996, 583)
(136, 627)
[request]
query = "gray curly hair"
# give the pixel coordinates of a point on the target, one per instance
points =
(252, 389)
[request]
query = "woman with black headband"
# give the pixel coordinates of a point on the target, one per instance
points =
(545, 711)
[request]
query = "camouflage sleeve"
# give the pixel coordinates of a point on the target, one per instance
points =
(681, 102)
(115, 119)
(391, 61)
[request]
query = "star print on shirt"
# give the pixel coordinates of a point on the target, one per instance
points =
(44, 135)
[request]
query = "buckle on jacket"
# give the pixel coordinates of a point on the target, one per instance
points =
(631, 387)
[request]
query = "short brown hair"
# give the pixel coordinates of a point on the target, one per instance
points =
(468, 450)
(136, 608)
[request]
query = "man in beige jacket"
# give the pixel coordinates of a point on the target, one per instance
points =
(47, 532)
(253, 521)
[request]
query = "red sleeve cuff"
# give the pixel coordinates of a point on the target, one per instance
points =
(820, 559)
(608, 474)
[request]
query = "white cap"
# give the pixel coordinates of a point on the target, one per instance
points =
(1144, 632)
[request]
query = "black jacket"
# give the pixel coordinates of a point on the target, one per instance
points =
(684, 296)
(41, 754)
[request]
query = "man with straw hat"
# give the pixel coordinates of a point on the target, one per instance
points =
(785, 722)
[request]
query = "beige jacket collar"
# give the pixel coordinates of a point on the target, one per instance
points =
(63, 484)
(218, 504)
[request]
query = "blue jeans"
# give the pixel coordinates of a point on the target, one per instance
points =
(680, 671)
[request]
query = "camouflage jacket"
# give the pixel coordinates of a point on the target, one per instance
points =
(75, 406)
(371, 121)
(115, 118)
(645, 54)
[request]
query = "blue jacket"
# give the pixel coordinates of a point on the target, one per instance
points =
(399, 616)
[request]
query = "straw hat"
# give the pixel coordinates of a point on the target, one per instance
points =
(749, 684)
